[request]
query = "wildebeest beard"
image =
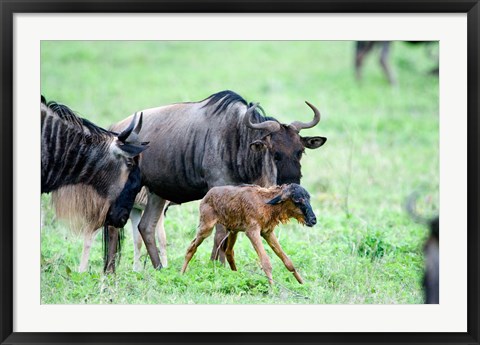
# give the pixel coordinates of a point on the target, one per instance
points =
(118, 214)
(288, 171)
(119, 211)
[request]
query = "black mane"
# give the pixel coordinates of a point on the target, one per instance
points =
(68, 115)
(224, 99)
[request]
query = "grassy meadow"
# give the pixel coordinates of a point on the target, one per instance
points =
(382, 145)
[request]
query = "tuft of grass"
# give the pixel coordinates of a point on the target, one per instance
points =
(374, 246)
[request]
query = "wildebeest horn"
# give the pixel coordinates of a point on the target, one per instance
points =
(138, 127)
(130, 134)
(127, 131)
(271, 126)
(302, 125)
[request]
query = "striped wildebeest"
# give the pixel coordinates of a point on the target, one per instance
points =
(221, 140)
(431, 251)
(76, 151)
(92, 209)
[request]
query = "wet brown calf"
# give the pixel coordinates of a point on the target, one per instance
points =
(255, 211)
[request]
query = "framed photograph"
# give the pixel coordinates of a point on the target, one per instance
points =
(358, 121)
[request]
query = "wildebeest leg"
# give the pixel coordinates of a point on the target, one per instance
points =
(135, 216)
(147, 226)
(205, 228)
(253, 235)
(431, 276)
(229, 253)
(112, 249)
(218, 251)
(162, 236)
(275, 245)
(384, 56)
(87, 245)
(361, 50)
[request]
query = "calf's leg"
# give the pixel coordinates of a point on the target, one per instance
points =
(254, 237)
(275, 245)
(218, 251)
(229, 253)
(205, 228)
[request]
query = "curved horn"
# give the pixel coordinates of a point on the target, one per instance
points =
(301, 125)
(138, 127)
(123, 136)
(271, 126)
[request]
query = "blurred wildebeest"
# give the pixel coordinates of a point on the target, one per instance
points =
(431, 250)
(221, 140)
(255, 211)
(74, 151)
(363, 48)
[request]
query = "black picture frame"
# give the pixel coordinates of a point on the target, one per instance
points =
(9, 8)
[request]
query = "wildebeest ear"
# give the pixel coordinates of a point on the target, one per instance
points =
(313, 142)
(276, 200)
(129, 150)
(258, 145)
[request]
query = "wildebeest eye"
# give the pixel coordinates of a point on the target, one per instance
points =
(130, 163)
(277, 156)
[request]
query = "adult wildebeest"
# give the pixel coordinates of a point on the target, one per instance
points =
(75, 151)
(221, 140)
(431, 252)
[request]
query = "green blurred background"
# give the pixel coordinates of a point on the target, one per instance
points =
(382, 145)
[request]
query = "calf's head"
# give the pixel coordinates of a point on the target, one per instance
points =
(283, 144)
(297, 203)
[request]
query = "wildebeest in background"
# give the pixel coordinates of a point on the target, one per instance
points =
(361, 51)
(255, 211)
(364, 48)
(74, 151)
(431, 251)
(221, 140)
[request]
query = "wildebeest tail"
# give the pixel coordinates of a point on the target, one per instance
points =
(108, 234)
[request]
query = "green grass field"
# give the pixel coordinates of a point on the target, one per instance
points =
(382, 145)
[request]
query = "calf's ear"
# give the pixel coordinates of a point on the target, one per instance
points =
(313, 142)
(276, 200)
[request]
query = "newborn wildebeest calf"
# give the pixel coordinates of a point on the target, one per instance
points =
(256, 211)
